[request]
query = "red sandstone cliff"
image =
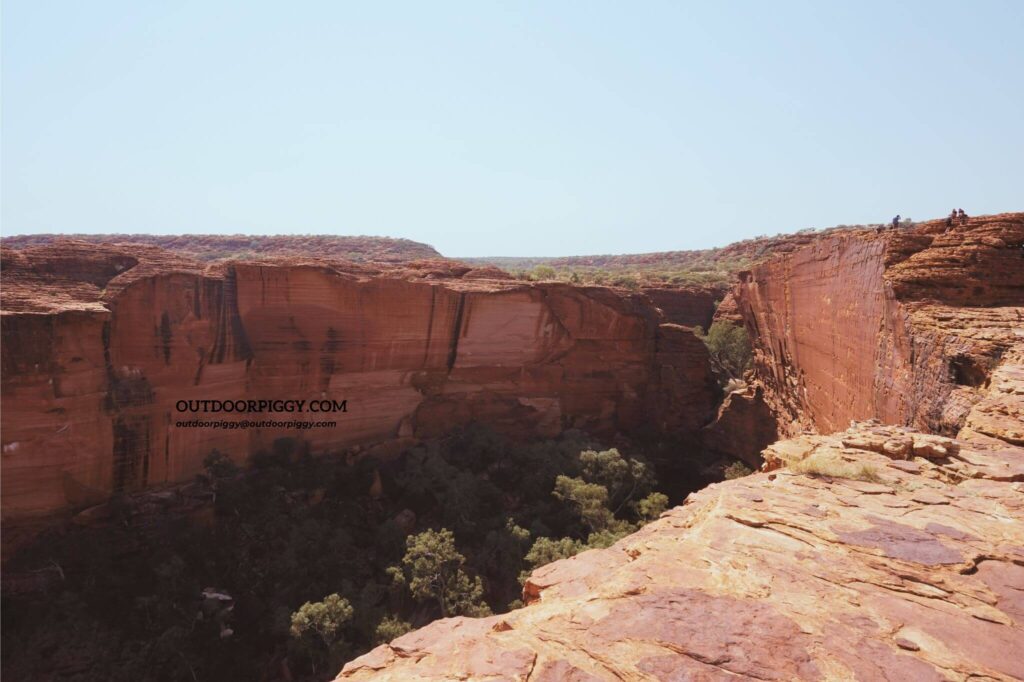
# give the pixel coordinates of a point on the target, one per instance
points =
(905, 326)
(690, 306)
(916, 574)
(101, 342)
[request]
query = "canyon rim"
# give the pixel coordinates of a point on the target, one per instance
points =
(882, 538)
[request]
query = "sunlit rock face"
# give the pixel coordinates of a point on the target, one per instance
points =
(879, 552)
(915, 575)
(101, 343)
(907, 326)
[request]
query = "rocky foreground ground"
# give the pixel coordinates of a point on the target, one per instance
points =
(917, 574)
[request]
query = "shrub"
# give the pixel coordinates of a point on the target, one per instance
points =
(729, 345)
(390, 628)
(590, 501)
(317, 626)
(820, 465)
(652, 506)
(737, 470)
(547, 550)
(434, 569)
(541, 272)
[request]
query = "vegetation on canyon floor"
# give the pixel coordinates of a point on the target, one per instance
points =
(310, 561)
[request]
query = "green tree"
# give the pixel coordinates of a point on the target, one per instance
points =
(589, 500)
(652, 506)
(609, 536)
(622, 477)
(546, 550)
(729, 345)
(435, 572)
(541, 272)
(317, 626)
(390, 628)
(737, 470)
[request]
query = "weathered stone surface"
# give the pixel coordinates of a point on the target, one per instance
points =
(907, 326)
(775, 576)
(690, 306)
(743, 427)
(101, 342)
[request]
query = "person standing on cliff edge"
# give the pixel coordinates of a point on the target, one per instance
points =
(896, 221)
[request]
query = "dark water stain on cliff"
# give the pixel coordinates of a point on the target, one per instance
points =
(28, 343)
(232, 342)
(127, 389)
(453, 350)
(327, 354)
(165, 336)
(131, 453)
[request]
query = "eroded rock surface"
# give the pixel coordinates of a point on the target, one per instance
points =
(690, 306)
(915, 575)
(101, 342)
(908, 326)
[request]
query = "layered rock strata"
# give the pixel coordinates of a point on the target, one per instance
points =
(101, 343)
(907, 326)
(915, 575)
(689, 306)
(877, 553)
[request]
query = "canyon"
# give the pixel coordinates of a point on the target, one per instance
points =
(906, 326)
(872, 545)
(882, 538)
(102, 342)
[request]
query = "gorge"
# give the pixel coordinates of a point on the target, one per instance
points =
(874, 553)
(897, 355)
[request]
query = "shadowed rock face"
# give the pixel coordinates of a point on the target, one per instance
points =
(100, 343)
(689, 306)
(906, 326)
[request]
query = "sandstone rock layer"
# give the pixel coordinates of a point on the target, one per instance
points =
(906, 325)
(100, 344)
(917, 575)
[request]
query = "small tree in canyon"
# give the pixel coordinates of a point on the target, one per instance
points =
(317, 628)
(433, 568)
(729, 346)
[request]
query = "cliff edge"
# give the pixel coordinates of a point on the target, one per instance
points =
(917, 574)
(882, 552)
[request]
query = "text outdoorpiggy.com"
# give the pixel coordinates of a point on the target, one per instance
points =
(255, 406)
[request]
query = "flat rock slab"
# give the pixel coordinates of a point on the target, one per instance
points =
(768, 577)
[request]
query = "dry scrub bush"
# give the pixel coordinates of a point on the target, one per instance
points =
(822, 465)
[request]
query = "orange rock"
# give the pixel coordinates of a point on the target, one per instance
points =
(690, 305)
(101, 342)
(905, 326)
(782, 576)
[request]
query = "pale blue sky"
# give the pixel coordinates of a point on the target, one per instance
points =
(533, 128)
